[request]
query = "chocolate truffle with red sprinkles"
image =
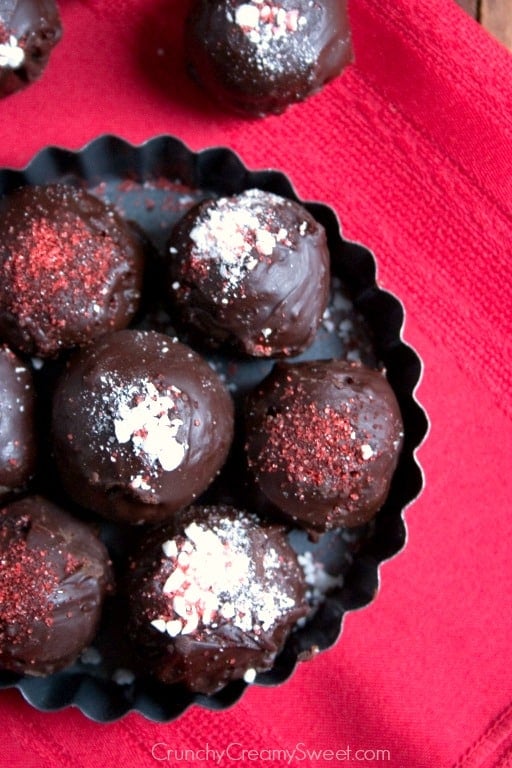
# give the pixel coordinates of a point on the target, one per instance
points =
(141, 426)
(250, 272)
(71, 269)
(17, 423)
(54, 576)
(323, 441)
(29, 30)
(259, 56)
(213, 597)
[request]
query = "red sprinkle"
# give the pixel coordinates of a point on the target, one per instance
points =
(313, 447)
(4, 33)
(26, 584)
(58, 271)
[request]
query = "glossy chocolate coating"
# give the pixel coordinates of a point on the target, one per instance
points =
(250, 271)
(258, 58)
(29, 30)
(213, 597)
(54, 576)
(323, 441)
(17, 428)
(71, 269)
(141, 426)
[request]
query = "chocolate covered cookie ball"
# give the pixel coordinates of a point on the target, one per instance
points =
(259, 56)
(54, 576)
(213, 598)
(17, 428)
(250, 272)
(141, 426)
(71, 269)
(29, 30)
(323, 441)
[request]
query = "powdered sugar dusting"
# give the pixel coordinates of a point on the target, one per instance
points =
(234, 236)
(270, 27)
(146, 423)
(264, 21)
(319, 581)
(12, 55)
(141, 417)
(213, 580)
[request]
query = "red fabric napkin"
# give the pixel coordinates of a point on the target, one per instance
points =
(412, 146)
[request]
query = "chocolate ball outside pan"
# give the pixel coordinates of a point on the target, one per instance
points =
(257, 57)
(29, 31)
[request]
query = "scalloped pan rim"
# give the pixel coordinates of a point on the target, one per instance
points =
(221, 170)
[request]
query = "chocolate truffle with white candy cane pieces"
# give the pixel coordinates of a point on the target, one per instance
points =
(259, 56)
(213, 597)
(29, 30)
(250, 272)
(141, 426)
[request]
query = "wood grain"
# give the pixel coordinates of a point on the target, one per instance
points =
(496, 17)
(470, 6)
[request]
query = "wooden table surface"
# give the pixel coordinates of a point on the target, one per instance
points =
(494, 15)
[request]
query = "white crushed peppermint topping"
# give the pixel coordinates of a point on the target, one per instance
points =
(266, 21)
(346, 329)
(235, 235)
(91, 656)
(142, 418)
(272, 31)
(173, 628)
(12, 55)
(327, 323)
(169, 548)
(353, 356)
(213, 580)
(250, 675)
(123, 676)
(159, 625)
(140, 483)
(265, 241)
(247, 16)
(366, 451)
(318, 580)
